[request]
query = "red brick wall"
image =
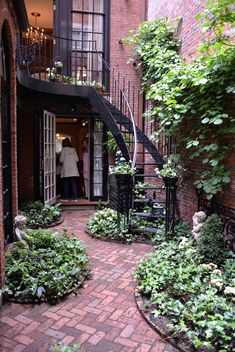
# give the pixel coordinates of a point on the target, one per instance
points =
(7, 18)
(189, 29)
(189, 33)
(126, 15)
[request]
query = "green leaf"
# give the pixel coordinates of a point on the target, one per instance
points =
(205, 120)
(217, 121)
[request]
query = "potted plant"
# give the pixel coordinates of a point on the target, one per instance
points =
(170, 172)
(51, 74)
(123, 169)
(58, 66)
(121, 185)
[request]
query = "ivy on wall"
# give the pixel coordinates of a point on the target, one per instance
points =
(189, 99)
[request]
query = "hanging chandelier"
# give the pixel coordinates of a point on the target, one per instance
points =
(35, 34)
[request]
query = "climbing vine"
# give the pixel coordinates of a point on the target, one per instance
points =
(190, 99)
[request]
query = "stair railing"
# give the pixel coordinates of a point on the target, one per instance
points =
(38, 51)
(118, 97)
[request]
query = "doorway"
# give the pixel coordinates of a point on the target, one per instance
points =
(77, 131)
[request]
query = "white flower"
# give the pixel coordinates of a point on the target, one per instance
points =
(217, 282)
(217, 272)
(58, 64)
(229, 290)
(183, 243)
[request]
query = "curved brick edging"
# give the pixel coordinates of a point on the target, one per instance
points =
(167, 337)
(53, 224)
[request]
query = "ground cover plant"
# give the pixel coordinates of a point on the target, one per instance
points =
(104, 225)
(39, 215)
(196, 297)
(45, 268)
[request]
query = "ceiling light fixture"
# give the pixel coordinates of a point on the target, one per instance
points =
(34, 34)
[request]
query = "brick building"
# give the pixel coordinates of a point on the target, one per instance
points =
(12, 19)
(41, 104)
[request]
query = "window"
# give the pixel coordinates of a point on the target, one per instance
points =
(87, 34)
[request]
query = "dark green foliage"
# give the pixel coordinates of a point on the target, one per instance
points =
(50, 266)
(39, 215)
(182, 230)
(193, 296)
(211, 245)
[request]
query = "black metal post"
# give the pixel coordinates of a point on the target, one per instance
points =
(171, 188)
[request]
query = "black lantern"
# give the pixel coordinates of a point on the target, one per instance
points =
(158, 209)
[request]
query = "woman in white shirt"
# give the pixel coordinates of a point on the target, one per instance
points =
(69, 171)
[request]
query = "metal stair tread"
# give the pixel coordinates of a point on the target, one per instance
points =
(146, 229)
(148, 215)
(145, 200)
(145, 175)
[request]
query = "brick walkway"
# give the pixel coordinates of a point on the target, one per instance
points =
(103, 317)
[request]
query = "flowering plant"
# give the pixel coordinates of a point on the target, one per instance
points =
(51, 72)
(170, 169)
(58, 64)
(122, 167)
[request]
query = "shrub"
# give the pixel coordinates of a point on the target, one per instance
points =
(39, 215)
(47, 268)
(103, 224)
(211, 246)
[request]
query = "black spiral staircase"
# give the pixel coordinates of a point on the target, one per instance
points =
(119, 104)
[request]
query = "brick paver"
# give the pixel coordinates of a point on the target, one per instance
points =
(103, 317)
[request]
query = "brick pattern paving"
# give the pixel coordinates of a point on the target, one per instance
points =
(103, 317)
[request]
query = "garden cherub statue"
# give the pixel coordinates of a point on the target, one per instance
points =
(199, 219)
(20, 222)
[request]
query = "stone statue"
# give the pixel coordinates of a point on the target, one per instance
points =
(20, 222)
(199, 219)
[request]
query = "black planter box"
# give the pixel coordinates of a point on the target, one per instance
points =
(121, 192)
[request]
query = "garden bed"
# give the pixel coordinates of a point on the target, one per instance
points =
(104, 225)
(40, 216)
(45, 268)
(186, 290)
(159, 324)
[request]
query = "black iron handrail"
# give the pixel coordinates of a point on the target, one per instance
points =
(83, 64)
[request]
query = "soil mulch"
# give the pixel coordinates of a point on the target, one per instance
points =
(136, 239)
(159, 324)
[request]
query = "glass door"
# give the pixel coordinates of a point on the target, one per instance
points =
(49, 156)
(99, 162)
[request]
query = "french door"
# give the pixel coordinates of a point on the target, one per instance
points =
(49, 157)
(98, 160)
